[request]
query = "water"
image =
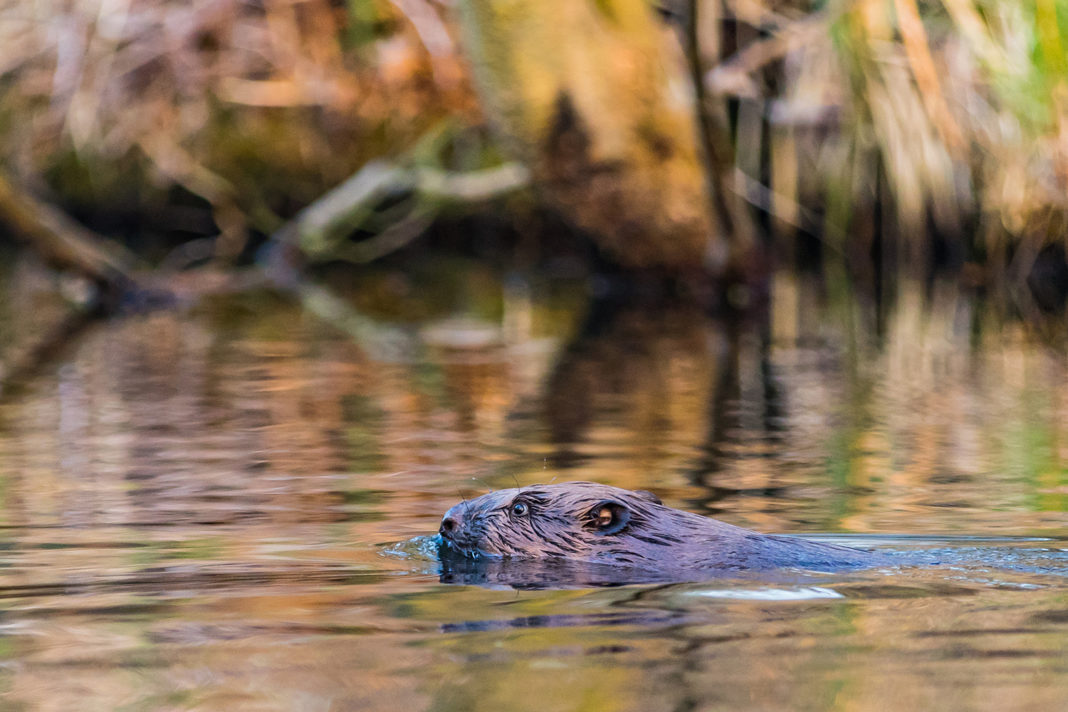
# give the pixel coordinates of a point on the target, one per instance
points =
(219, 508)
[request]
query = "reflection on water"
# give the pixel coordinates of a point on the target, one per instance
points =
(194, 506)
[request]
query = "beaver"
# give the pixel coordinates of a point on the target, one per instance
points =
(601, 525)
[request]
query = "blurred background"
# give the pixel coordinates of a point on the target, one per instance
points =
(282, 280)
(861, 139)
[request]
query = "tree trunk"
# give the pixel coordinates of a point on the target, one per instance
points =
(594, 95)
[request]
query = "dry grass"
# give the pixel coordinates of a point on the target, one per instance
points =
(257, 107)
(952, 114)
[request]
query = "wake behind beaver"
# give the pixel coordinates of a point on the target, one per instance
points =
(606, 529)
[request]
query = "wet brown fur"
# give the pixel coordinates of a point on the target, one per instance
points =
(562, 521)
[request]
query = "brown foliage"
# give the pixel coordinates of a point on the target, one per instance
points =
(253, 106)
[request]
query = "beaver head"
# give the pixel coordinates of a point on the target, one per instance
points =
(581, 520)
(598, 524)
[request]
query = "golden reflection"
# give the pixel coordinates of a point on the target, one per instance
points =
(192, 503)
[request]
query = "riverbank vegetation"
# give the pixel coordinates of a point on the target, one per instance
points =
(871, 137)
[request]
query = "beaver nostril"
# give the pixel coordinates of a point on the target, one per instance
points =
(449, 525)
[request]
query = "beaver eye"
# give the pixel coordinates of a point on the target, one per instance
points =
(520, 509)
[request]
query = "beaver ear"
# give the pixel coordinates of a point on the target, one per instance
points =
(646, 494)
(608, 517)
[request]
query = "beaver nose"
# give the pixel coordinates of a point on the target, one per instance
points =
(449, 525)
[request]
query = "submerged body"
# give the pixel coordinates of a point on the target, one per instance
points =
(601, 525)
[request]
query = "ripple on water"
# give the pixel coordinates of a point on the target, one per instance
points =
(192, 502)
(801, 593)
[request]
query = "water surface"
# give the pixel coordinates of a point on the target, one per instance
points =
(200, 509)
